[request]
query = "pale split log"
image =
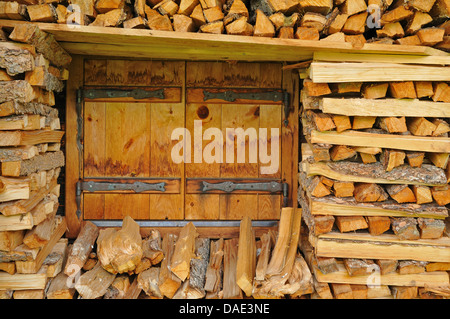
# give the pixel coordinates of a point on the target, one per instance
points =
(120, 251)
(230, 288)
(148, 281)
(213, 280)
(184, 251)
(168, 282)
(81, 248)
(151, 246)
(246, 259)
(94, 283)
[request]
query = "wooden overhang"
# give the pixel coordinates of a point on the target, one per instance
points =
(151, 44)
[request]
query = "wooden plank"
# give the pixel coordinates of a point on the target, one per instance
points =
(328, 72)
(374, 173)
(201, 46)
(366, 246)
(15, 138)
(73, 166)
(384, 107)
(401, 142)
(437, 278)
(333, 206)
(22, 281)
(380, 58)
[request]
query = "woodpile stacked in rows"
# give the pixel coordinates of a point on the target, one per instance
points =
(374, 177)
(30, 160)
(409, 22)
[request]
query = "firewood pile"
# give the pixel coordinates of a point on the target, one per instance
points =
(408, 22)
(131, 263)
(374, 177)
(31, 160)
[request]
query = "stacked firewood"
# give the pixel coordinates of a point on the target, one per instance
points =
(30, 161)
(411, 22)
(374, 180)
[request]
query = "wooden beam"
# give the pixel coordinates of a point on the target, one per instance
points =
(384, 107)
(392, 279)
(166, 44)
(366, 246)
(375, 173)
(401, 142)
(380, 58)
(328, 72)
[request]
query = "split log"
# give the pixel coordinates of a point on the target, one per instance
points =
(355, 24)
(341, 152)
(375, 91)
(151, 247)
(246, 258)
(149, 282)
(358, 267)
(184, 251)
(182, 23)
(363, 122)
(317, 188)
(393, 124)
(441, 194)
(18, 90)
(353, 7)
(230, 288)
(369, 192)
(405, 228)
(378, 224)
(213, 280)
(442, 127)
(263, 26)
(422, 194)
(316, 89)
(441, 92)
(350, 223)
(45, 162)
(411, 267)
(39, 235)
(392, 159)
(58, 288)
(280, 250)
(43, 42)
(387, 266)
(111, 18)
(415, 159)
(431, 36)
(199, 266)
(81, 248)
(168, 281)
(400, 292)
(343, 189)
(120, 251)
(321, 121)
(16, 58)
(263, 258)
(41, 12)
(156, 21)
(240, 27)
(94, 283)
(342, 122)
(431, 228)
(322, 224)
(424, 89)
(402, 90)
(439, 159)
(401, 193)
